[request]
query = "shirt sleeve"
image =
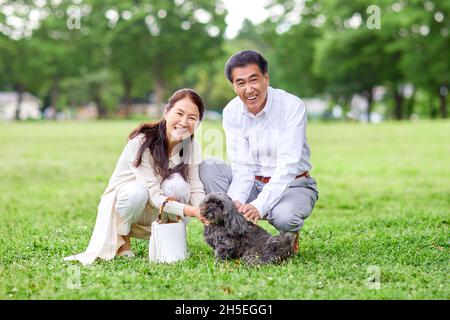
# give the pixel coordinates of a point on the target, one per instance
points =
(197, 189)
(240, 156)
(146, 174)
(290, 149)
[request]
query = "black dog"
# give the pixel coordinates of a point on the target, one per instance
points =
(231, 236)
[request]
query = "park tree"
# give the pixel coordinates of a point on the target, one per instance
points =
(101, 83)
(328, 49)
(141, 42)
(210, 79)
(44, 48)
(350, 55)
(340, 50)
(422, 29)
(57, 51)
(158, 41)
(20, 66)
(392, 76)
(292, 32)
(20, 63)
(127, 56)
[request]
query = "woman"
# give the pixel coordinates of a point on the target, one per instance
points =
(157, 168)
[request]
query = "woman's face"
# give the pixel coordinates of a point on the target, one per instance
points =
(181, 120)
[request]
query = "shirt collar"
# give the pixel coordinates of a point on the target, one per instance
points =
(266, 108)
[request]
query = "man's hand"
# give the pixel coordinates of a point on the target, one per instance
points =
(238, 205)
(251, 213)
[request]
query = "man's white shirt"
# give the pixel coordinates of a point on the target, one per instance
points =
(271, 144)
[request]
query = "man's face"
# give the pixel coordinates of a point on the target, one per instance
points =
(250, 84)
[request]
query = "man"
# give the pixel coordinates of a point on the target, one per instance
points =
(265, 130)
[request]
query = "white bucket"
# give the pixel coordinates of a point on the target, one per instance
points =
(167, 242)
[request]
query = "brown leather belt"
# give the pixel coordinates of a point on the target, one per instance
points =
(267, 179)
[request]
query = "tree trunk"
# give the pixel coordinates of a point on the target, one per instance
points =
(210, 83)
(410, 104)
(443, 102)
(398, 110)
(346, 106)
(127, 84)
(433, 111)
(101, 109)
(54, 95)
(73, 107)
(20, 91)
(160, 88)
(369, 96)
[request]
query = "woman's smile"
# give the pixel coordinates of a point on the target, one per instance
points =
(181, 120)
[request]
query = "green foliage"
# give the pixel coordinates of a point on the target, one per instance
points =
(292, 54)
(377, 206)
(315, 48)
(334, 50)
(423, 43)
(149, 46)
(211, 81)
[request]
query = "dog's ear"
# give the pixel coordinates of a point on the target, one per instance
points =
(281, 244)
(234, 221)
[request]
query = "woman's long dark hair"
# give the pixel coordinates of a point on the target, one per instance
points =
(156, 139)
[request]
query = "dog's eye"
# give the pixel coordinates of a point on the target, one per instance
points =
(219, 205)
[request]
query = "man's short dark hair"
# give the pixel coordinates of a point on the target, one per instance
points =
(244, 58)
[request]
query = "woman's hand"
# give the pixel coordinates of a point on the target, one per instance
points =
(238, 205)
(190, 211)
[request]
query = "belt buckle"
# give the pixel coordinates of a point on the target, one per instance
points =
(303, 174)
(262, 179)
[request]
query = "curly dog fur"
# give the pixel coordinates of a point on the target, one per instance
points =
(232, 236)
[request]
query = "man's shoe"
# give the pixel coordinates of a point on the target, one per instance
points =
(296, 243)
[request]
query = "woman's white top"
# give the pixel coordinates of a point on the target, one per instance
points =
(105, 240)
(125, 172)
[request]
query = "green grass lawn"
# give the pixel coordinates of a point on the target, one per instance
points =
(383, 210)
